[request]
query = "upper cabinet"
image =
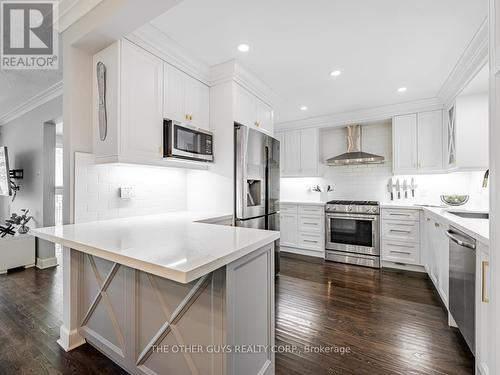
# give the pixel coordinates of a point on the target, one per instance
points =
(135, 98)
(299, 152)
(252, 111)
(418, 142)
(467, 133)
(185, 99)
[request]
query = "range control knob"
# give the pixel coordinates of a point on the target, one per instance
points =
(349, 209)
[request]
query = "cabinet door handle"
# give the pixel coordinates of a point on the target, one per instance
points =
(311, 241)
(408, 246)
(485, 264)
(399, 231)
(305, 222)
(400, 252)
(405, 215)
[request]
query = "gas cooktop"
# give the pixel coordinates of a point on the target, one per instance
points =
(354, 203)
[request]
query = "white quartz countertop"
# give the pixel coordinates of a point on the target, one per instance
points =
(476, 228)
(176, 246)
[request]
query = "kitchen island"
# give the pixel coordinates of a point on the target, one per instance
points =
(168, 294)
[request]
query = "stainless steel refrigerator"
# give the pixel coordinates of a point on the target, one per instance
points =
(257, 181)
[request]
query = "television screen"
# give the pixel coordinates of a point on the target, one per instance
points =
(4, 172)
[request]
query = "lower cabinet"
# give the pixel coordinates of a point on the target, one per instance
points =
(302, 229)
(484, 317)
(400, 235)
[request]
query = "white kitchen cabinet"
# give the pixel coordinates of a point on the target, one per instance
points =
(251, 111)
(418, 142)
(484, 343)
(430, 141)
(288, 229)
(141, 104)
(186, 99)
(300, 153)
(404, 141)
(135, 107)
(443, 259)
(471, 128)
(400, 236)
(302, 229)
(292, 158)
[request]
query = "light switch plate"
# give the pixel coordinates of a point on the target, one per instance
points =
(126, 192)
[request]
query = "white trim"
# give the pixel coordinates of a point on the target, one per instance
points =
(232, 70)
(41, 98)
(69, 340)
(473, 59)
(159, 44)
(363, 115)
(43, 263)
(406, 267)
(295, 250)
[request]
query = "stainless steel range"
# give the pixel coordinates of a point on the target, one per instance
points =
(353, 232)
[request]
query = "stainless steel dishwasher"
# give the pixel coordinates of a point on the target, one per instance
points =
(462, 279)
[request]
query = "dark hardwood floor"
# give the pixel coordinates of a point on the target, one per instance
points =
(387, 322)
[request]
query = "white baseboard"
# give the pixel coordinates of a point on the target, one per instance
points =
(43, 263)
(311, 253)
(406, 267)
(69, 340)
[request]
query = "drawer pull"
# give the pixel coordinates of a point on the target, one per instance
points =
(405, 215)
(400, 252)
(400, 231)
(311, 241)
(393, 244)
(485, 264)
(308, 223)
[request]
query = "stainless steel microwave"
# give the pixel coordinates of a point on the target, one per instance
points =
(187, 142)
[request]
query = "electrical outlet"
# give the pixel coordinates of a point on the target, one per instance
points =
(126, 192)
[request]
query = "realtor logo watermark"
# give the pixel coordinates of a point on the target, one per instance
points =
(28, 38)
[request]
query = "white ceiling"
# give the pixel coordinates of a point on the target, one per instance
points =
(294, 44)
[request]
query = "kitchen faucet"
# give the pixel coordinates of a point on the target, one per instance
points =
(486, 178)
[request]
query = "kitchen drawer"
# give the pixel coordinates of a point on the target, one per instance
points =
(311, 210)
(288, 208)
(400, 214)
(311, 241)
(399, 230)
(311, 223)
(400, 252)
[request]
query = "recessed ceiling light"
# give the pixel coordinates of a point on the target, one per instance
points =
(402, 89)
(303, 108)
(243, 47)
(335, 73)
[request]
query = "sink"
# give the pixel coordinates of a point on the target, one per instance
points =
(471, 215)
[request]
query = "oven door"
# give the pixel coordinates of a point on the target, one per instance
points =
(353, 233)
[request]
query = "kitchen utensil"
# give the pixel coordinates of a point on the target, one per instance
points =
(390, 188)
(455, 200)
(398, 188)
(405, 188)
(413, 187)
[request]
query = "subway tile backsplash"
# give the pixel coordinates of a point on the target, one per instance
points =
(97, 190)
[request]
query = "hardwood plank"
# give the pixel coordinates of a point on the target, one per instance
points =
(392, 321)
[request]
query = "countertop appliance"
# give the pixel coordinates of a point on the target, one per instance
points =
(462, 278)
(353, 232)
(354, 154)
(257, 181)
(187, 142)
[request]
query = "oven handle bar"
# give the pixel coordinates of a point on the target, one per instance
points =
(352, 216)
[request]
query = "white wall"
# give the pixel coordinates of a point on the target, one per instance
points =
(157, 190)
(28, 150)
(369, 182)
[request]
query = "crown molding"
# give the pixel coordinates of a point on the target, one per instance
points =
(470, 63)
(232, 70)
(363, 115)
(43, 97)
(158, 43)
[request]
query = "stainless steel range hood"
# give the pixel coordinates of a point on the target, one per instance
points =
(354, 155)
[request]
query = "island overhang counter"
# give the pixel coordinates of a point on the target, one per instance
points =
(163, 294)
